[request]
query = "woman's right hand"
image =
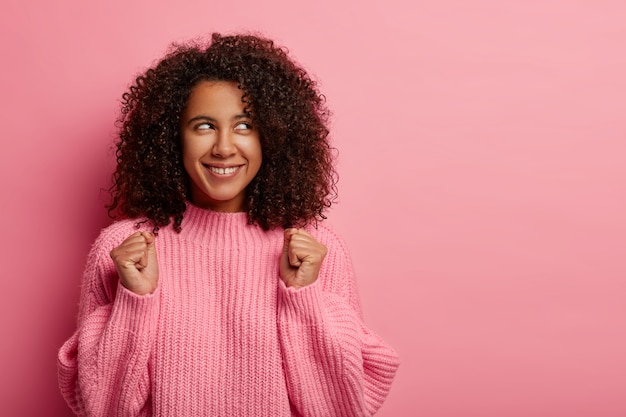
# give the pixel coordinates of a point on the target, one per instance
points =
(136, 263)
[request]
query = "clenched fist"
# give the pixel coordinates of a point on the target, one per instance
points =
(136, 263)
(302, 258)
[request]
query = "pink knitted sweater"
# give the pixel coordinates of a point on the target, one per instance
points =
(222, 335)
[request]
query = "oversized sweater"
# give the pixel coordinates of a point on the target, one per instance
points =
(222, 335)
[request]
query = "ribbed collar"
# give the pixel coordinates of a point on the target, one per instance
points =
(205, 225)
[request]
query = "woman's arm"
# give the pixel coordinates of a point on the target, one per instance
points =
(334, 365)
(103, 367)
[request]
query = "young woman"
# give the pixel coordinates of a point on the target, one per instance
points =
(220, 291)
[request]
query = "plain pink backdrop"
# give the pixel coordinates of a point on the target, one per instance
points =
(483, 184)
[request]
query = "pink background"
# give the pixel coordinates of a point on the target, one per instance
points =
(483, 184)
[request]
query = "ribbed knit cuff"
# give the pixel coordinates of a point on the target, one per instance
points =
(135, 313)
(301, 305)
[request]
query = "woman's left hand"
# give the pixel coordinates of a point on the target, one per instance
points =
(302, 258)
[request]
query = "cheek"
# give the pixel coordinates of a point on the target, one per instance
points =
(191, 149)
(254, 151)
(251, 150)
(190, 154)
(259, 154)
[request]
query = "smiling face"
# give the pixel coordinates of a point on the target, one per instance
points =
(221, 146)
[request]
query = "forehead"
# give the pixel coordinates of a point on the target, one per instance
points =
(215, 97)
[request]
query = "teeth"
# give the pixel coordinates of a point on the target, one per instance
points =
(223, 171)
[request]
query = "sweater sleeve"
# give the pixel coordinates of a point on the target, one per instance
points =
(103, 367)
(333, 364)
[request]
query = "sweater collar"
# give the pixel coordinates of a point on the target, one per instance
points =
(204, 225)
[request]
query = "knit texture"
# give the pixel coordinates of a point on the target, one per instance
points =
(222, 335)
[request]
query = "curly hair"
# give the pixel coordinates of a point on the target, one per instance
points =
(297, 179)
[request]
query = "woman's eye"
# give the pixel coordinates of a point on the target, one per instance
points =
(204, 126)
(243, 126)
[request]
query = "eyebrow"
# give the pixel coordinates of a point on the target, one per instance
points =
(211, 119)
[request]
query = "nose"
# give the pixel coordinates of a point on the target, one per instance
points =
(224, 145)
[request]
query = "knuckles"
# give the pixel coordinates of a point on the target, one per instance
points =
(134, 245)
(315, 255)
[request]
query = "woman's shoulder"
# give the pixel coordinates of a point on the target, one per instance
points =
(326, 234)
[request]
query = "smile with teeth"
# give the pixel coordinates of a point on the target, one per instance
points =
(223, 171)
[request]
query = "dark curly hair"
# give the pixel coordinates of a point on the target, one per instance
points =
(297, 179)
